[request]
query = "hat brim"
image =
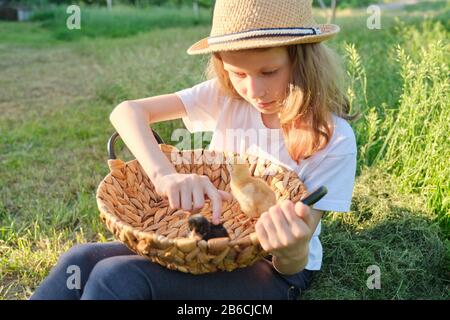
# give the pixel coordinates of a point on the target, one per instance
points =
(202, 46)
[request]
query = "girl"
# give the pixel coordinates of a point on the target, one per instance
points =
(270, 76)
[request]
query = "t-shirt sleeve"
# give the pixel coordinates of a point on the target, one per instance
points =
(337, 174)
(203, 104)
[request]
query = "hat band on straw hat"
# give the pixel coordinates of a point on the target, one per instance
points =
(255, 33)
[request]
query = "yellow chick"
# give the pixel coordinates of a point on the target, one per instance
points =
(253, 194)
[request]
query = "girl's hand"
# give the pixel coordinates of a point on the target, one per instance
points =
(285, 230)
(187, 191)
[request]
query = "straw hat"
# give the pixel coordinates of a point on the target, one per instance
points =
(246, 24)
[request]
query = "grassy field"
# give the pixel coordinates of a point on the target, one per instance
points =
(58, 87)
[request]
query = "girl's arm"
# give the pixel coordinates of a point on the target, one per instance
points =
(131, 119)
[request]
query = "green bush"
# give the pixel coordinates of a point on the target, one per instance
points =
(410, 141)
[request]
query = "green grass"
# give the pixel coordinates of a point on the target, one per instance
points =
(57, 91)
(389, 230)
(121, 21)
(410, 138)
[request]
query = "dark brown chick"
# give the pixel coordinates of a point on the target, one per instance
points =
(201, 228)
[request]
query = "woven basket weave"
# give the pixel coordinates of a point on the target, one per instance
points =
(141, 219)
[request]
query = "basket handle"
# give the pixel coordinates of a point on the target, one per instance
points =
(115, 135)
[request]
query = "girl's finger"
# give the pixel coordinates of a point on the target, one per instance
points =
(271, 231)
(174, 198)
(281, 224)
(297, 226)
(186, 198)
(226, 196)
(262, 236)
(304, 212)
(216, 202)
(199, 197)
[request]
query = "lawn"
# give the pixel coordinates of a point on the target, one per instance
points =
(58, 87)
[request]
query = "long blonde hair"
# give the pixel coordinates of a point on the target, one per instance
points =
(316, 90)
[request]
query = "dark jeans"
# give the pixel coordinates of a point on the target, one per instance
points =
(112, 271)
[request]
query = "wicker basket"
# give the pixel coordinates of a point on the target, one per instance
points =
(141, 219)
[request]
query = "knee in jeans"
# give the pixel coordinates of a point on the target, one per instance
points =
(117, 278)
(114, 269)
(79, 254)
(109, 267)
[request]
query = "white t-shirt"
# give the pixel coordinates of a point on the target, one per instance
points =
(238, 127)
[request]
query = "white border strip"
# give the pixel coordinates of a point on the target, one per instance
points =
(265, 32)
